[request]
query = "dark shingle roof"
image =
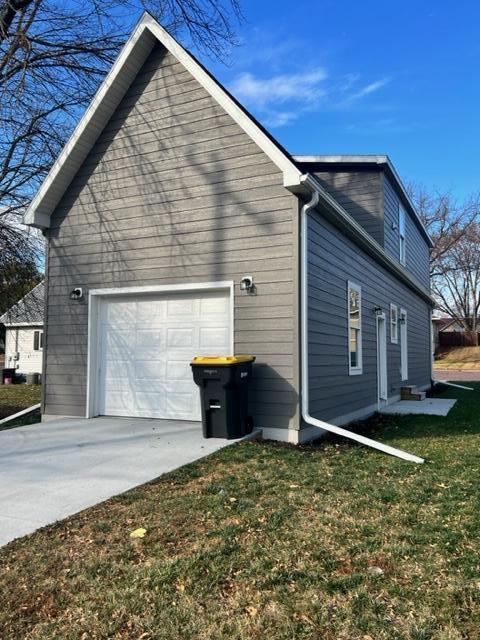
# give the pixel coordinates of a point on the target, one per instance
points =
(29, 309)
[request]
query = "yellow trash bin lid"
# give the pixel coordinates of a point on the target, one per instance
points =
(222, 361)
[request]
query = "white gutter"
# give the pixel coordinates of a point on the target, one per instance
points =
(314, 422)
(19, 414)
(452, 384)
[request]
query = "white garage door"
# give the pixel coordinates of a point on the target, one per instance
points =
(146, 346)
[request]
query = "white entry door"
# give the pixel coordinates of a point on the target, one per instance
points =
(403, 345)
(146, 344)
(382, 376)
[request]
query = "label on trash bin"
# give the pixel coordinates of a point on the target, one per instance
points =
(244, 374)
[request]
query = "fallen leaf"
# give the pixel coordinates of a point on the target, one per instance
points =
(138, 533)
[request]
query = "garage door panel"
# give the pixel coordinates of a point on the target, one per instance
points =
(180, 406)
(180, 337)
(120, 313)
(146, 352)
(150, 339)
(151, 402)
(146, 370)
(214, 305)
(151, 312)
(119, 343)
(182, 308)
(211, 338)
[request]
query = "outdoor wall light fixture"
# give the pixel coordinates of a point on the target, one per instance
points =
(247, 284)
(76, 294)
(378, 311)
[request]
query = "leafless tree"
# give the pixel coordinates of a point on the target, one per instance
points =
(445, 219)
(53, 55)
(456, 283)
(455, 258)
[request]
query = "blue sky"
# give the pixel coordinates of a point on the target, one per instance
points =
(400, 78)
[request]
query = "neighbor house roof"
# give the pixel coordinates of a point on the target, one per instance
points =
(28, 310)
(358, 161)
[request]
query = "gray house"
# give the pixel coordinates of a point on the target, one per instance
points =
(167, 195)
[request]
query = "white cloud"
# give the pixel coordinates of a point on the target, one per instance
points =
(367, 90)
(282, 98)
(262, 92)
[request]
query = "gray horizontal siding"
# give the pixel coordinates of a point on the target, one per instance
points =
(173, 192)
(360, 194)
(417, 252)
(333, 260)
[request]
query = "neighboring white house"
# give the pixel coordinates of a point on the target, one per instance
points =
(24, 332)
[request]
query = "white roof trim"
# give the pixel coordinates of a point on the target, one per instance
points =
(369, 159)
(111, 91)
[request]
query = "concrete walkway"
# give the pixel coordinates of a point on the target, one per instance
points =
(429, 406)
(54, 469)
(457, 375)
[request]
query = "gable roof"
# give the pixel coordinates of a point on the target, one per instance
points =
(28, 310)
(146, 34)
(383, 162)
(124, 70)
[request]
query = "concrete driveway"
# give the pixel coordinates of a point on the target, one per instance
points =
(54, 469)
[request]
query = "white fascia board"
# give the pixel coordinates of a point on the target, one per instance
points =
(354, 159)
(28, 325)
(111, 91)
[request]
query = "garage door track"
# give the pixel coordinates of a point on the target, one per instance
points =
(54, 469)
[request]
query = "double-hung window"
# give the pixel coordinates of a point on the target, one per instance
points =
(354, 294)
(394, 324)
(402, 224)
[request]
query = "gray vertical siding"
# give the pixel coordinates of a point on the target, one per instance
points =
(417, 258)
(360, 194)
(172, 192)
(332, 261)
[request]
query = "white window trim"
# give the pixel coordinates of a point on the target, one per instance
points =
(358, 370)
(394, 339)
(95, 297)
(402, 234)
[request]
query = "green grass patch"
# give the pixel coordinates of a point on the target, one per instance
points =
(15, 397)
(263, 540)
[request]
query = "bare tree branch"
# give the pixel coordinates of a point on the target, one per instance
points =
(53, 55)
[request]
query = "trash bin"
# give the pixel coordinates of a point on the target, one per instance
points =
(8, 376)
(33, 378)
(223, 382)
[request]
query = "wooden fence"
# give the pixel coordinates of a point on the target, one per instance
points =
(459, 338)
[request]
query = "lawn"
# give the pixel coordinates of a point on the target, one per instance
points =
(263, 540)
(459, 358)
(15, 397)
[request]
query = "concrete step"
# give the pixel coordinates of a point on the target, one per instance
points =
(412, 393)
